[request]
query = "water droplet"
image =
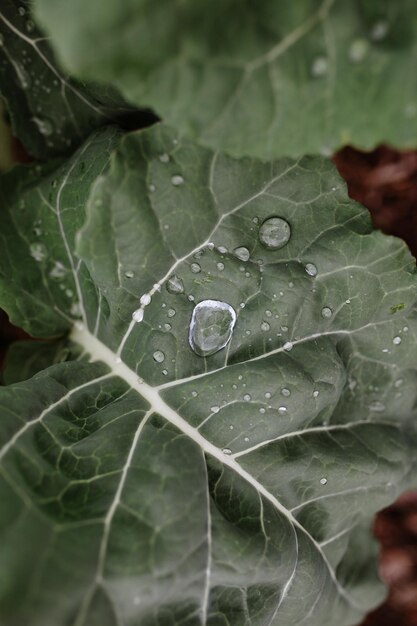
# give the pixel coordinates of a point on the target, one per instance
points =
(311, 269)
(227, 451)
(175, 284)
(262, 410)
(158, 356)
(164, 372)
(282, 410)
(75, 309)
(246, 439)
(177, 180)
(215, 409)
(398, 382)
(247, 397)
(265, 326)
(268, 313)
(191, 298)
(377, 407)
(379, 30)
(145, 299)
(137, 316)
(38, 251)
(171, 312)
(320, 66)
(167, 326)
(30, 25)
(58, 270)
(152, 188)
(129, 274)
(22, 76)
(396, 341)
(274, 233)
(358, 50)
(326, 312)
(220, 267)
(315, 394)
(45, 126)
(268, 395)
(405, 329)
(285, 392)
(242, 253)
(195, 268)
(194, 394)
(222, 249)
(164, 158)
(323, 481)
(211, 326)
(22, 11)
(288, 345)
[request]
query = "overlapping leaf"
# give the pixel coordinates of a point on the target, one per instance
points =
(254, 78)
(144, 484)
(51, 113)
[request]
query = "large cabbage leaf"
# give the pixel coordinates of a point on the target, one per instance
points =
(143, 484)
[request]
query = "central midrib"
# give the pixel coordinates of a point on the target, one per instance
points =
(101, 352)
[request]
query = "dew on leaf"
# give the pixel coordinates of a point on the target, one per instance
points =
(177, 180)
(326, 312)
(242, 253)
(211, 326)
(175, 284)
(311, 269)
(152, 188)
(274, 233)
(137, 316)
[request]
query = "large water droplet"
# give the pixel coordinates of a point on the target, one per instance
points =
(158, 356)
(396, 341)
(175, 284)
(326, 312)
(274, 233)
(242, 253)
(145, 299)
(288, 345)
(211, 326)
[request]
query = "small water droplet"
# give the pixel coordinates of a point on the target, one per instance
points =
(164, 158)
(215, 409)
(274, 233)
(164, 372)
(177, 180)
(58, 270)
(30, 26)
(268, 313)
(323, 481)
(326, 312)
(398, 382)
(379, 30)
(22, 76)
(195, 268)
(405, 329)
(311, 269)
(358, 50)
(247, 397)
(377, 407)
(320, 66)
(158, 356)
(282, 410)
(145, 299)
(242, 253)
(38, 251)
(222, 249)
(265, 326)
(220, 267)
(167, 326)
(262, 410)
(129, 274)
(75, 309)
(396, 341)
(44, 126)
(152, 188)
(211, 326)
(175, 284)
(315, 394)
(285, 392)
(288, 345)
(171, 312)
(137, 315)
(227, 451)
(268, 395)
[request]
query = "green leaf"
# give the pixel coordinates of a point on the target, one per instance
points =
(51, 113)
(263, 79)
(150, 485)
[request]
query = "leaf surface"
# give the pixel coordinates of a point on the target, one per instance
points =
(249, 77)
(148, 485)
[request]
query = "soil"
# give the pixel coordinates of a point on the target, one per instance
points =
(385, 181)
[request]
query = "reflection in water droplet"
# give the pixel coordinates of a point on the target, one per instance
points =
(265, 326)
(38, 251)
(311, 269)
(137, 315)
(274, 233)
(242, 253)
(211, 326)
(323, 481)
(195, 268)
(175, 284)
(326, 312)
(158, 356)
(177, 180)
(396, 341)
(227, 451)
